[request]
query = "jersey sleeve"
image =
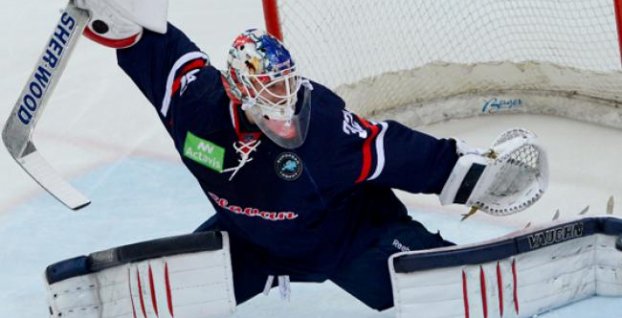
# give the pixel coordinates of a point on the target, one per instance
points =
(396, 156)
(163, 66)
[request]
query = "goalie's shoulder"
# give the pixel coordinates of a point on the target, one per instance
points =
(192, 91)
(191, 77)
(325, 99)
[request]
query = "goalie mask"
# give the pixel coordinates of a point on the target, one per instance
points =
(262, 76)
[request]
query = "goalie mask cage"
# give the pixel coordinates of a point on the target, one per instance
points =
(425, 61)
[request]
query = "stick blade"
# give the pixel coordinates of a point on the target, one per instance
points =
(48, 178)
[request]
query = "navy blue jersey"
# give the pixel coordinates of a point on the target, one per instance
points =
(307, 207)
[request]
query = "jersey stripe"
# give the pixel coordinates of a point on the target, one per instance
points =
(235, 113)
(196, 64)
(367, 150)
(380, 157)
(179, 64)
(235, 117)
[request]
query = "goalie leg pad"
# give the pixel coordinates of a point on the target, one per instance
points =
(519, 275)
(190, 279)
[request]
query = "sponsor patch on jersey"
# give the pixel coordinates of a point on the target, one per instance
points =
(288, 166)
(252, 211)
(204, 152)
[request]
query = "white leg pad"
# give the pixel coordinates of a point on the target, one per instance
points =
(520, 275)
(190, 285)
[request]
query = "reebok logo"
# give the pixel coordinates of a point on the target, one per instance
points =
(204, 152)
(398, 245)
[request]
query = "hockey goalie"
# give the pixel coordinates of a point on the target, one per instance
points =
(303, 192)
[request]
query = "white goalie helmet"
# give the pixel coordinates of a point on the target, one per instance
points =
(262, 76)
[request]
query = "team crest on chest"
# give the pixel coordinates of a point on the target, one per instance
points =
(288, 166)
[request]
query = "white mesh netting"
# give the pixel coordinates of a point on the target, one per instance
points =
(519, 174)
(456, 58)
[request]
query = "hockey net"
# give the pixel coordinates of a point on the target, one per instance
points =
(425, 61)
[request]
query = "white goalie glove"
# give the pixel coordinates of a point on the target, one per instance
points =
(119, 23)
(506, 179)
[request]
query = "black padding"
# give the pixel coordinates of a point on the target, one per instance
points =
(62, 270)
(196, 242)
(611, 227)
(95, 262)
(504, 248)
(468, 183)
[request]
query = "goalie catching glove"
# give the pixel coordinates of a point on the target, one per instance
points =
(119, 23)
(506, 179)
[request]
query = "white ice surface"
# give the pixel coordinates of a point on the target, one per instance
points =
(101, 134)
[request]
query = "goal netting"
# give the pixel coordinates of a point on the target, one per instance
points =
(429, 60)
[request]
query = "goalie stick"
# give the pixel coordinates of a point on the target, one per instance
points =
(27, 111)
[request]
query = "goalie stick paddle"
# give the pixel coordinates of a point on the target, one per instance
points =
(27, 111)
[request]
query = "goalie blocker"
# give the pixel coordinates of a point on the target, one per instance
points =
(522, 274)
(186, 276)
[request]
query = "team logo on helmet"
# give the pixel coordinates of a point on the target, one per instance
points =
(255, 52)
(288, 166)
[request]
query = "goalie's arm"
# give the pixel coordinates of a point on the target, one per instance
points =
(509, 178)
(163, 66)
(157, 56)
(396, 156)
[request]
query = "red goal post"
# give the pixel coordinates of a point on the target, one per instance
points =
(425, 61)
(618, 10)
